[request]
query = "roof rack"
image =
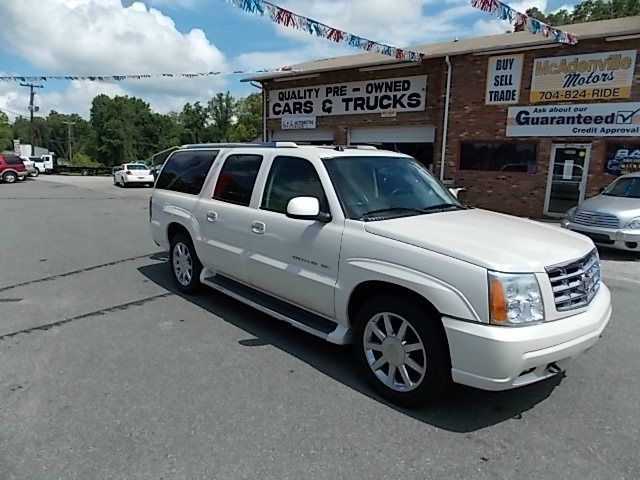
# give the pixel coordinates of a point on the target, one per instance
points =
(341, 148)
(243, 145)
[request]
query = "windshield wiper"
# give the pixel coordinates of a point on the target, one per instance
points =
(391, 209)
(442, 207)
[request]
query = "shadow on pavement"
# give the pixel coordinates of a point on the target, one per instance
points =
(618, 255)
(463, 410)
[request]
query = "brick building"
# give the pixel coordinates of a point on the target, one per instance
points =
(528, 126)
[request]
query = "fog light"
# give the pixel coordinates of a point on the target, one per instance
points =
(631, 244)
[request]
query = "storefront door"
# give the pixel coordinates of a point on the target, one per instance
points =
(566, 185)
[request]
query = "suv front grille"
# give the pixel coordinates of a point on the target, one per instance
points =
(595, 219)
(575, 284)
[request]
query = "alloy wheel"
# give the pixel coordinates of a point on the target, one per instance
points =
(395, 352)
(182, 264)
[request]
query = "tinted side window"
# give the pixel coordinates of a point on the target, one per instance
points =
(12, 160)
(292, 177)
(186, 171)
(237, 178)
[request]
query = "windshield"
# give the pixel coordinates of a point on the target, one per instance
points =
(387, 187)
(138, 166)
(624, 187)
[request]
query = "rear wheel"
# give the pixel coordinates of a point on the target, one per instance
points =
(185, 265)
(399, 346)
(9, 177)
(35, 174)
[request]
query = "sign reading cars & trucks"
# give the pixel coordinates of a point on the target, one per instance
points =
(405, 94)
(595, 76)
(503, 80)
(591, 120)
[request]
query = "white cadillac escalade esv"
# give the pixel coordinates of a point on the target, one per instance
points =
(365, 246)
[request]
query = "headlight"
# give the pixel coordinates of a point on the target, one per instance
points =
(514, 299)
(634, 223)
(571, 213)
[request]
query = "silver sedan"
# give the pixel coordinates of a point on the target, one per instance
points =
(612, 218)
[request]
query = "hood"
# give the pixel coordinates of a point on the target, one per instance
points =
(488, 239)
(622, 207)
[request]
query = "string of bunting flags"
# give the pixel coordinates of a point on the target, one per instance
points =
(524, 22)
(289, 19)
(119, 78)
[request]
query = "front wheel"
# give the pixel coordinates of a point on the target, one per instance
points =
(35, 174)
(185, 265)
(9, 177)
(400, 347)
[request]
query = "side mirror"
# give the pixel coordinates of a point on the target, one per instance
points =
(306, 208)
(456, 191)
(601, 189)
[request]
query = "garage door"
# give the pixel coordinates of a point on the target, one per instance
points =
(412, 134)
(315, 135)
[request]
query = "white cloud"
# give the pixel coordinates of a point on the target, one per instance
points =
(104, 37)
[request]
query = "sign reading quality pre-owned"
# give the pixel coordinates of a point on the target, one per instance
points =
(407, 94)
(595, 76)
(594, 120)
(503, 80)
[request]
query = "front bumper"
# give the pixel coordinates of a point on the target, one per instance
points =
(138, 179)
(622, 239)
(500, 358)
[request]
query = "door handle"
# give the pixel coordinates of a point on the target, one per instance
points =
(258, 227)
(212, 217)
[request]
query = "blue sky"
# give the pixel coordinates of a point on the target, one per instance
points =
(156, 36)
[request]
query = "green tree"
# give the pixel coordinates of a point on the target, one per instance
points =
(589, 11)
(221, 110)
(193, 120)
(123, 130)
(248, 126)
(6, 132)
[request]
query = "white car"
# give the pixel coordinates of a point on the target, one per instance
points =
(133, 174)
(367, 247)
(30, 166)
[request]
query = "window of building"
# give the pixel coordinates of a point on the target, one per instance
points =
(186, 171)
(292, 177)
(499, 156)
(237, 178)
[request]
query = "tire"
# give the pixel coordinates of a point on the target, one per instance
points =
(9, 177)
(185, 264)
(419, 361)
(35, 174)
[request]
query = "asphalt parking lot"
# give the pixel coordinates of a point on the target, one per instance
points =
(107, 372)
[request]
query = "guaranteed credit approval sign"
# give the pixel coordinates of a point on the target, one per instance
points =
(405, 94)
(595, 76)
(595, 120)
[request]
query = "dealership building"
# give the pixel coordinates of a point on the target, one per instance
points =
(528, 126)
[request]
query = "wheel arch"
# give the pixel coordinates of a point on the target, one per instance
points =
(376, 288)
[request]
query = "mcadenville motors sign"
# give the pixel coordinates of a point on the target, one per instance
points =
(595, 120)
(594, 76)
(407, 94)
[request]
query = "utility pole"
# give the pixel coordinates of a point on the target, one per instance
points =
(69, 125)
(31, 108)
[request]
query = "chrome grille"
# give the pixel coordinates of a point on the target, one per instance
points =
(595, 219)
(575, 284)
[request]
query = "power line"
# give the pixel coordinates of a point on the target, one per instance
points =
(11, 111)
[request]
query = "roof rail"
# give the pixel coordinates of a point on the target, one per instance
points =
(348, 147)
(241, 144)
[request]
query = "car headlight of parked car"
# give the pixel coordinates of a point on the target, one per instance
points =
(633, 223)
(571, 213)
(514, 299)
